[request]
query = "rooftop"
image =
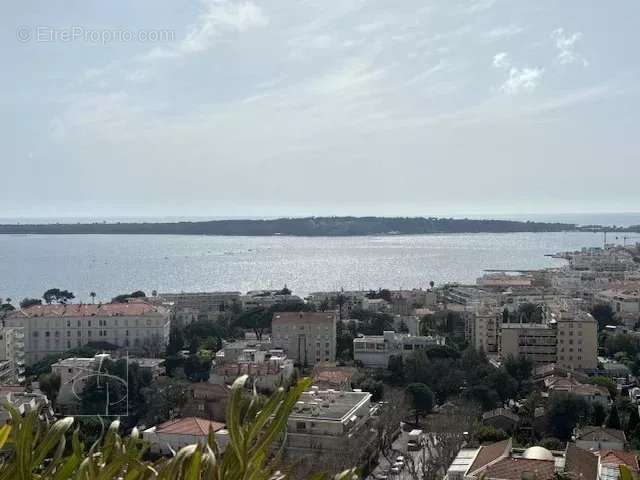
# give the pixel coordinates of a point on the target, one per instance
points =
(287, 318)
(591, 433)
(189, 426)
(88, 310)
(329, 404)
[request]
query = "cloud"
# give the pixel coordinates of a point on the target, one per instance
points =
(522, 80)
(477, 6)
(371, 27)
(220, 16)
(507, 31)
(566, 43)
(501, 60)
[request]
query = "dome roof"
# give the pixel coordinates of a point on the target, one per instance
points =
(537, 453)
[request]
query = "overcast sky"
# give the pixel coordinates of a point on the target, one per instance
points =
(297, 107)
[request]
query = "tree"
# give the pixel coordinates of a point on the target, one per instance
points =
(633, 422)
(396, 368)
(50, 385)
(444, 437)
(613, 420)
(421, 399)
(598, 414)
(164, 397)
(29, 302)
(176, 341)
(374, 387)
(565, 412)
(125, 297)
(604, 315)
(57, 295)
(520, 368)
(606, 382)
(432, 284)
(284, 291)
(393, 410)
(93, 296)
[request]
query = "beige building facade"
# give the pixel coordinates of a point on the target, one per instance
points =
(308, 338)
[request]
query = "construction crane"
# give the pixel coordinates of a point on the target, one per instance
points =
(624, 239)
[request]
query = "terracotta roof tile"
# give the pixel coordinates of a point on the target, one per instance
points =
(189, 426)
(489, 453)
(515, 468)
(89, 310)
(600, 433)
(618, 457)
(582, 463)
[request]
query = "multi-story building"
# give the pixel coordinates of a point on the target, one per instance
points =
(577, 334)
(208, 305)
(374, 351)
(267, 369)
(624, 301)
(11, 355)
(486, 327)
(267, 299)
(308, 338)
(567, 337)
(535, 341)
(329, 423)
(52, 329)
(75, 373)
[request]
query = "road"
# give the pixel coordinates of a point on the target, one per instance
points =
(400, 445)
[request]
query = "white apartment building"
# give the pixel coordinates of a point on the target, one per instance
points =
(267, 369)
(308, 338)
(52, 329)
(11, 355)
(324, 422)
(75, 372)
(374, 351)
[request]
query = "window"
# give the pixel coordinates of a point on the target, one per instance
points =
(47, 334)
(79, 333)
(89, 323)
(68, 323)
(301, 426)
(68, 333)
(57, 333)
(35, 334)
(89, 333)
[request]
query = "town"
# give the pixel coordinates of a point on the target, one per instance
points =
(522, 375)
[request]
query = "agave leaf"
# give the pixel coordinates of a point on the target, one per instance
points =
(5, 431)
(52, 438)
(193, 467)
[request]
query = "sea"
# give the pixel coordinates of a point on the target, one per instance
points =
(113, 264)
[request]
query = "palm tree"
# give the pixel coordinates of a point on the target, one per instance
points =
(93, 297)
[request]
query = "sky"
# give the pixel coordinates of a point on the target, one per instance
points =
(316, 107)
